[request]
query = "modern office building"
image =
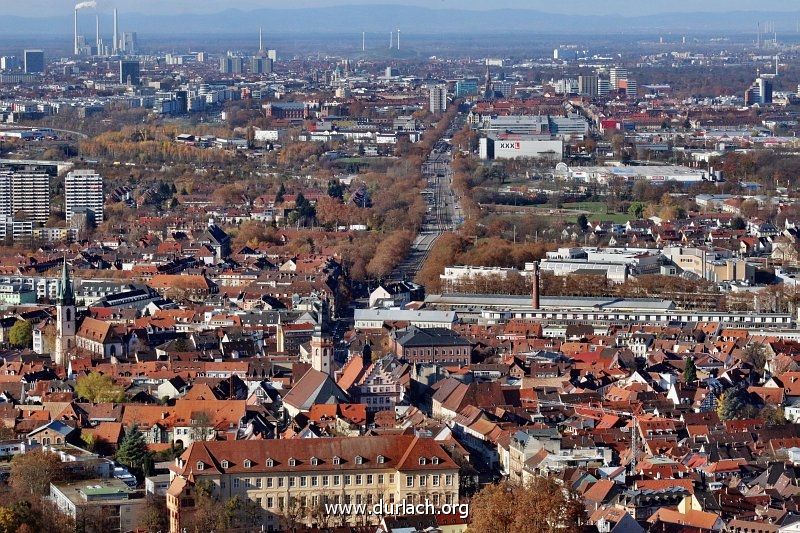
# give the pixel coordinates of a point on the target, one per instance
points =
(260, 65)
(34, 62)
(616, 75)
(587, 85)
(503, 88)
(571, 126)
(123, 507)
(83, 193)
(466, 87)
(760, 92)
(631, 88)
(26, 192)
(231, 65)
(129, 72)
(438, 98)
(603, 87)
(9, 62)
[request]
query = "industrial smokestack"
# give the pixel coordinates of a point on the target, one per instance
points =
(398, 38)
(260, 40)
(535, 286)
(391, 39)
(80, 5)
(75, 32)
(363, 41)
(97, 38)
(115, 45)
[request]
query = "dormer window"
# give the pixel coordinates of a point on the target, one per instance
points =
(270, 463)
(337, 461)
(314, 461)
(248, 463)
(381, 459)
(435, 460)
(200, 465)
(422, 460)
(292, 461)
(359, 460)
(225, 464)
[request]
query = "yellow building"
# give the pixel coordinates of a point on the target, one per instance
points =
(299, 477)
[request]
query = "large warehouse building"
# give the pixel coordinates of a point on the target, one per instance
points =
(654, 174)
(508, 146)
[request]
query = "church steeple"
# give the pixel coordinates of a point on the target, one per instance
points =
(322, 344)
(67, 294)
(65, 318)
(487, 91)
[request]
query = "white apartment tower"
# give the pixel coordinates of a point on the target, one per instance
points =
(438, 98)
(5, 195)
(83, 192)
(25, 192)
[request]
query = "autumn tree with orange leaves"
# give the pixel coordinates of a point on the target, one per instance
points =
(542, 506)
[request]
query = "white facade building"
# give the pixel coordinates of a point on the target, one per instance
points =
(25, 191)
(520, 146)
(375, 318)
(83, 191)
(438, 98)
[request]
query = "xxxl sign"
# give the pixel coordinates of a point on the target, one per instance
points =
(509, 145)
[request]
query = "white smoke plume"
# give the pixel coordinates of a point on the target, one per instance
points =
(85, 5)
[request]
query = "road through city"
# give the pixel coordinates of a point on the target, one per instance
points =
(443, 212)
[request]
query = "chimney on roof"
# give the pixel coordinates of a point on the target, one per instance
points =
(535, 286)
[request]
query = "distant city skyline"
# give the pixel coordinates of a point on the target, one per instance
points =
(46, 8)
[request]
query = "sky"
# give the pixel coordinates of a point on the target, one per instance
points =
(35, 8)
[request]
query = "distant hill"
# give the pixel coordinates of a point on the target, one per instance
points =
(411, 20)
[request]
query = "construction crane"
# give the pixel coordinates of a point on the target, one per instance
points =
(605, 410)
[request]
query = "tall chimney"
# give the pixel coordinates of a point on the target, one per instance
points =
(97, 21)
(398, 38)
(260, 40)
(535, 286)
(75, 32)
(391, 39)
(116, 29)
(363, 41)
